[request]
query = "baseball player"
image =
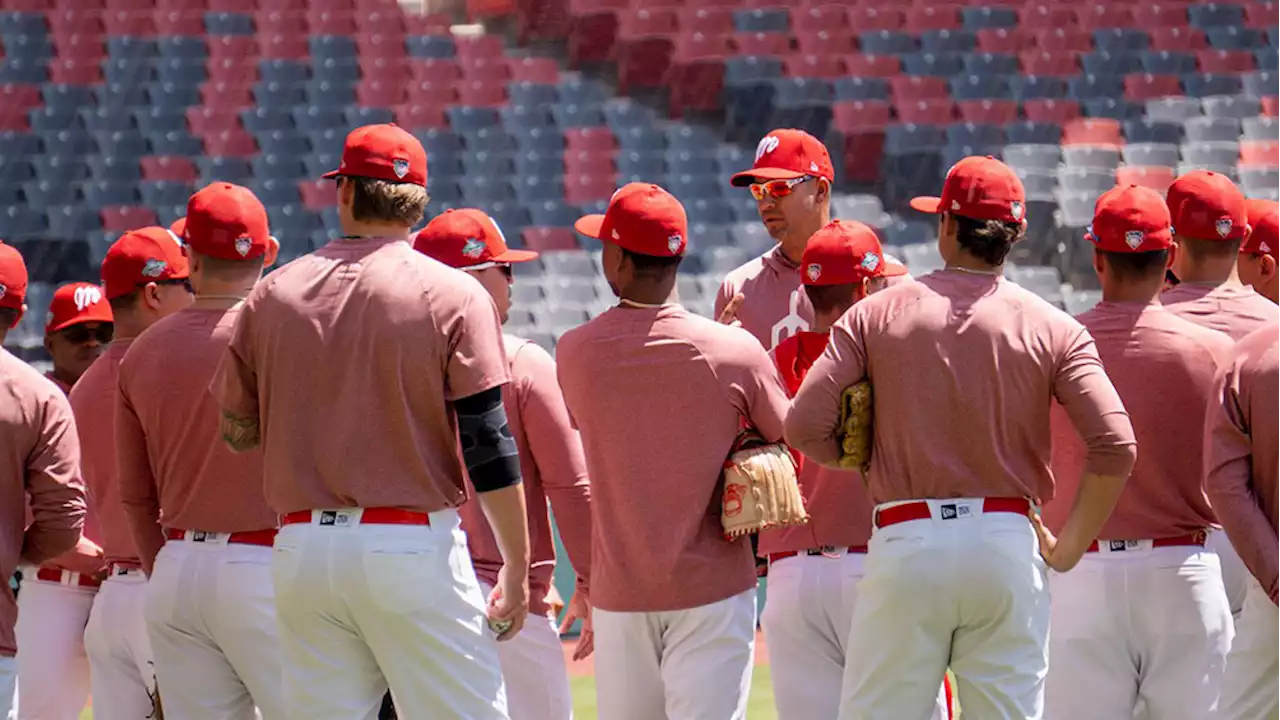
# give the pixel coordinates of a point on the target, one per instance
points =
(53, 670)
(1261, 250)
(1210, 223)
(551, 463)
(659, 395)
(791, 182)
(1243, 468)
(814, 568)
(1144, 618)
(961, 363)
(358, 368)
(195, 509)
(39, 452)
(144, 277)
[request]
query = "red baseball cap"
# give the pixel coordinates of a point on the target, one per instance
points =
(227, 222)
(786, 154)
(1263, 240)
(75, 304)
(844, 252)
(467, 238)
(13, 278)
(981, 188)
(643, 219)
(1206, 205)
(179, 227)
(1260, 208)
(383, 152)
(140, 257)
(1130, 219)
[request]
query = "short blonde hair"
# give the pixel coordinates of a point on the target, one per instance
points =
(382, 201)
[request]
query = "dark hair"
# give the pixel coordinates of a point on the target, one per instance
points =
(8, 316)
(652, 266)
(1199, 249)
(1136, 266)
(828, 298)
(124, 302)
(988, 240)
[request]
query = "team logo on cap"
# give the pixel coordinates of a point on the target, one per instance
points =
(1016, 210)
(673, 243)
(1133, 238)
(955, 205)
(870, 262)
(243, 243)
(1223, 227)
(616, 236)
(1264, 247)
(3, 290)
(768, 144)
(154, 268)
(814, 271)
(813, 167)
(400, 167)
(86, 296)
(473, 248)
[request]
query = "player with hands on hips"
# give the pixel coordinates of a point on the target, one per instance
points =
(962, 364)
(552, 467)
(42, 498)
(1144, 619)
(373, 582)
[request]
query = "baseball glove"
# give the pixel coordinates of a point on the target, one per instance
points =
(760, 488)
(856, 427)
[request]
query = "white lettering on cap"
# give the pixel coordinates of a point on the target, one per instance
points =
(768, 144)
(85, 296)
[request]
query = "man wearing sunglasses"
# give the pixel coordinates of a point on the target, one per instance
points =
(42, 500)
(552, 466)
(144, 278)
(791, 183)
(79, 327)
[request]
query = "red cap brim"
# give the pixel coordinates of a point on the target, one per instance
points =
(747, 177)
(589, 225)
(331, 174)
(515, 256)
(927, 204)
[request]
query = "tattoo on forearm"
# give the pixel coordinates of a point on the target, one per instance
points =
(240, 433)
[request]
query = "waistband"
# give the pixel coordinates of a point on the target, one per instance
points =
(264, 538)
(1195, 539)
(828, 551)
(67, 577)
(125, 569)
(948, 509)
(347, 517)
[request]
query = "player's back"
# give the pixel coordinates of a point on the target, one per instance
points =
(93, 401)
(360, 347)
(659, 396)
(1231, 308)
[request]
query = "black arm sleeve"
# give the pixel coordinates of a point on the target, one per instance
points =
(488, 449)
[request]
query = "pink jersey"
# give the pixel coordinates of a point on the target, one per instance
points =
(1164, 368)
(65, 388)
(174, 468)
(837, 501)
(40, 453)
(553, 468)
(775, 306)
(94, 401)
(659, 395)
(1234, 309)
(90, 522)
(350, 359)
(1242, 451)
(964, 367)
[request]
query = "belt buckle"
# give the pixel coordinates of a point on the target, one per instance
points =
(830, 551)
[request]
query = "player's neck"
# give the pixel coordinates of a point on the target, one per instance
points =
(357, 229)
(650, 294)
(1211, 271)
(218, 295)
(1143, 292)
(795, 241)
(64, 376)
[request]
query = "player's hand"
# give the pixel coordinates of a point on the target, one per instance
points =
(85, 558)
(729, 316)
(509, 604)
(580, 609)
(1056, 555)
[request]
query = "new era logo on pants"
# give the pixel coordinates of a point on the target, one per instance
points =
(951, 511)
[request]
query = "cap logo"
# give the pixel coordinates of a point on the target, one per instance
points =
(400, 167)
(1223, 227)
(813, 166)
(870, 262)
(616, 236)
(3, 290)
(154, 268)
(1264, 247)
(814, 271)
(674, 242)
(243, 244)
(473, 248)
(86, 296)
(1134, 238)
(1016, 209)
(955, 205)
(768, 144)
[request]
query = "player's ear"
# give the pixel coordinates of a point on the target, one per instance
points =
(1098, 262)
(1267, 265)
(273, 251)
(1173, 256)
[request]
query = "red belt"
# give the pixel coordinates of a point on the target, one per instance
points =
(54, 575)
(1194, 539)
(919, 510)
(826, 551)
(264, 538)
(369, 516)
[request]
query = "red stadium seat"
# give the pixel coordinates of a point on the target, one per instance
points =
(544, 71)
(826, 67)
(593, 29)
(331, 22)
(337, 5)
(913, 88)
(13, 118)
(583, 189)
(480, 48)
(1050, 111)
(232, 71)
(233, 6)
(387, 68)
(1177, 39)
(211, 120)
(481, 9)
(20, 97)
(134, 23)
(1139, 86)
(882, 66)
(775, 44)
(181, 22)
(1271, 106)
(696, 74)
(161, 167)
(1227, 62)
(936, 111)
(382, 22)
(1092, 131)
(123, 218)
(232, 143)
(430, 24)
(226, 95)
(931, 17)
(988, 112)
(492, 70)
(374, 92)
(1047, 17)
(1150, 16)
(419, 115)
(865, 18)
(130, 5)
(1103, 15)
(706, 20)
(1260, 15)
(434, 70)
(377, 45)
(860, 115)
(60, 5)
(1064, 63)
(318, 194)
(482, 94)
(75, 72)
(198, 6)
(826, 42)
(543, 239)
(1004, 40)
(241, 48)
(590, 140)
(589, 164)
(644, 48)
(1156, 178)
(1260, 153)
(276, 21)
(1059, 39)
(75, 22)
(437, 93)
(819, 18)
(859, 126)
(284, 47)
(26, 6)
(85, 48)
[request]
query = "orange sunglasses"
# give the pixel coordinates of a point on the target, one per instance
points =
(776, 188)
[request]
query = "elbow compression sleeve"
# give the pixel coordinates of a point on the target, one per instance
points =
(488, 449)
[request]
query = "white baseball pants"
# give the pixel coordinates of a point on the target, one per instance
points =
(806, 622)
(1249, 689)
(693, 663)
(1139, 624)
(9, 685)
(962, 586)
(122, 674)
(212, 621)
(363, 607)
(53, 669)
(534, 671)
(1235, 576)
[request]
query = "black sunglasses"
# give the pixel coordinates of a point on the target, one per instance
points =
(506, 270)
(81, 334)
